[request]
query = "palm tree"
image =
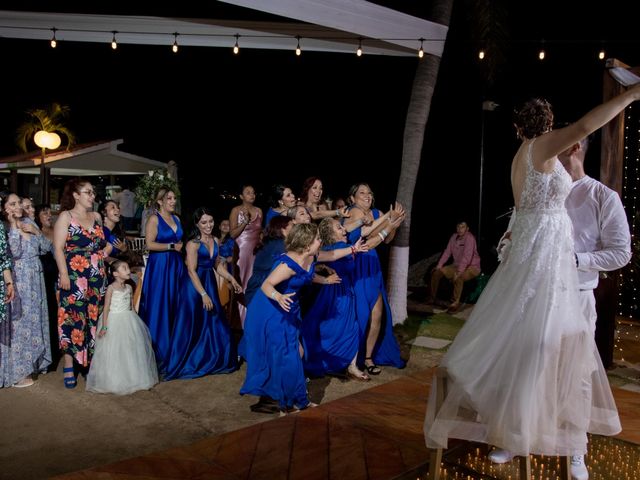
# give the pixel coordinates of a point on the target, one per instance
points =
(487, 27)
(417, 116)
(51, 121)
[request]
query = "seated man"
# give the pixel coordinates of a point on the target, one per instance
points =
(465, 266)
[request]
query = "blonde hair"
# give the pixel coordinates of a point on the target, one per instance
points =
(301, 237)
(162, 192)
(325, 229)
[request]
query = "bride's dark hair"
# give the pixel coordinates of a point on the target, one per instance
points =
(534, 118)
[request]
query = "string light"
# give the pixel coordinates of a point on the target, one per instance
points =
(298, 50)
(601, 55)
(174, 48)
(54, 42)
(236, 48)
(541, 54)
(114, 44)
(359, 50)
(421, 51)
(481, 54)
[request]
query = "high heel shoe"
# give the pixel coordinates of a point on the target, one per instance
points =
(69, 382)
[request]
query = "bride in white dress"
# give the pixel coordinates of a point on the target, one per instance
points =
(123, 361)
(524, 373)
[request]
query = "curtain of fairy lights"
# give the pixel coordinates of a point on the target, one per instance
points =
(629, 278)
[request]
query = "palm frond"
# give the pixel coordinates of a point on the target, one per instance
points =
(50, 120)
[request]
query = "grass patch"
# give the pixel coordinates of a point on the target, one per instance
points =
(439, 325)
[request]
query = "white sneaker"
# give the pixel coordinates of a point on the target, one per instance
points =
(500, 455)
(578, 468)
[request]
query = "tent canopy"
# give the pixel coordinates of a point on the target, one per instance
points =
(330, 26)
(93, 159)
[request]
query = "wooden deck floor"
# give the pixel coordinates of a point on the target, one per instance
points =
(374, 434)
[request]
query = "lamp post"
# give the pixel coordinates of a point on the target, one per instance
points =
(487, 106)
(44, 140)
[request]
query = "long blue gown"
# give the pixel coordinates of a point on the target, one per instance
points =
(272, 336)
(262, 266)
(368, 285)
(330, 329)
(163, 276)
(201, 342)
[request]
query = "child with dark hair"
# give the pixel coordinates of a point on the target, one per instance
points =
(123, 361)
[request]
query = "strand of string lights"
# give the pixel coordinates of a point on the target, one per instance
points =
(234, 38)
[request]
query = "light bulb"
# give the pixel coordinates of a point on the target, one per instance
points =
(421, 51)
(236, 48)
(481, 54)
(54, 42)
(601, 55)
(298, 50)
(174, 48)
(359, 50)
(541, 55)
(114, 44)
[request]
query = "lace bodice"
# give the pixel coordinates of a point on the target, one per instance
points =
(544, 191)
(121, 300)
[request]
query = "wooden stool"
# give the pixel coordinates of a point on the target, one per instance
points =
(435, 455)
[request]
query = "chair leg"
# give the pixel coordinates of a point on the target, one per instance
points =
(525, 467)
(435, 459)
(565, 468)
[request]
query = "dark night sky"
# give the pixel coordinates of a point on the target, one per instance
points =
(267, 116)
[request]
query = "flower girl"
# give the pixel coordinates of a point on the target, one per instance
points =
(123, 361)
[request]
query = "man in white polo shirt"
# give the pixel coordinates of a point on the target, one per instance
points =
(602, 241)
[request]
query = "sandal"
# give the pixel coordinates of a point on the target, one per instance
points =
(69, 382)
(372, 369)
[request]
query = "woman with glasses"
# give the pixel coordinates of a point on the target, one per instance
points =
(79, 249)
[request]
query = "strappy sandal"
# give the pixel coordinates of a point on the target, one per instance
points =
(372, 369)
(69, 382)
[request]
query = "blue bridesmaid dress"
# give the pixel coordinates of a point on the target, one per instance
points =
(272, 338)
(270, 214)
(201, 342)
(111, 238)
(330, 329)
(262, 266)
(368, 285)
(164, 274)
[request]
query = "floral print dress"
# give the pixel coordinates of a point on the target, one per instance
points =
(81, 305)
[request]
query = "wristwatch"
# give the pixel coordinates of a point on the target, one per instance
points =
(172, 246)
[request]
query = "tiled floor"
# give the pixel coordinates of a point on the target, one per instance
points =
(374, 434)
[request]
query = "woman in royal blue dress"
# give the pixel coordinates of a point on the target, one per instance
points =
(201, 342)
(272, 327)
(163, 275)
(372, 306)
(280, 200)
(270, 247)
(330, 329)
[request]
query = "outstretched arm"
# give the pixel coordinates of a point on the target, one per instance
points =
(549, 145)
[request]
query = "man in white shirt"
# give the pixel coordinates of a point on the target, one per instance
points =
(602, 241)
(127, 204)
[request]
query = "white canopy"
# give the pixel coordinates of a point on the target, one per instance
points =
(95, 159)
(331, 26)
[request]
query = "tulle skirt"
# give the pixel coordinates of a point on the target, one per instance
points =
(524, 373)
(123, 361)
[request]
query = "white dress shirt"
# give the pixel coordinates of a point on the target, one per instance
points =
(602, 241)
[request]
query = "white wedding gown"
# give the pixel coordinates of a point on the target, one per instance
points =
(123, 361)
(524, 373)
